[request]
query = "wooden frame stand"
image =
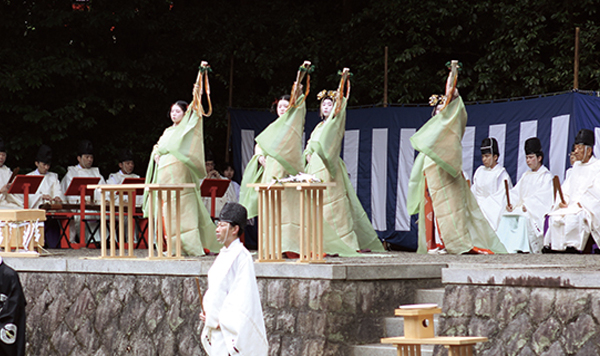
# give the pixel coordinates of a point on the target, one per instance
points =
(19, 232)
(163, 193)
(311, 220)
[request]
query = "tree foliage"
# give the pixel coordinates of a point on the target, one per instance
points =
(109, 73)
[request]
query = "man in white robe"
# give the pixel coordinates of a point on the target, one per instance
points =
(5, 173)
(521, 227)
(49, 190)
(571, 223)
(233, 318)
(126, 167)
(85, 157)
(488, 183)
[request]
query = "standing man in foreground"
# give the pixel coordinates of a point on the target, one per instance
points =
(233, 318)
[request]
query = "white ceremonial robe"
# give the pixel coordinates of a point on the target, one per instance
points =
(571, 226)
(118, 178)
(220, 202)
(234, 319)
(50, 186)
(488, 188)
(78, 171)
(5, 174)
(524, 231)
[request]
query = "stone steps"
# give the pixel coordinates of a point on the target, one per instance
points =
(394, 326)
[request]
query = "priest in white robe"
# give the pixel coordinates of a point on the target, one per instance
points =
(233, 318)
(49, 190)
(521, 227)
(126, 167)
(488, 183)
(571, 222)
(5, 173)
(85, 157)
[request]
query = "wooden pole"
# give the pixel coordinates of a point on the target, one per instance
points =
(385, 78)
(229, 106)
(576, 61)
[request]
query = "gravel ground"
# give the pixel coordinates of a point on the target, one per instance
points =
(520, 261)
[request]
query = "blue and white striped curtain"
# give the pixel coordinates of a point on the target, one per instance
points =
(379, 156)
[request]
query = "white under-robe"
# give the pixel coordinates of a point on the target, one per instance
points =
(488, 188)
(571, 226)
(50, 185)
(234, 319)
(118, 178)
(524, 231)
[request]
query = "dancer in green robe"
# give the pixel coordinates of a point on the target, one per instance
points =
(177, 158)
(462, 226)
(345, 218)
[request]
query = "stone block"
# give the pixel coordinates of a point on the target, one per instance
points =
(132, 316)
(483, 327)
(299, 293)
(315, 293)
(291, 346)
(170, 290)
(554, 350)
(286, 322)
(148, 288)
(63, 340)
(515, 335)
(545, 335)
(569, 304)
(83, 309)
(274, 344)
(365, 296)
(311, 323)
(595, 304)
(368, 330)
(541, 304)
(513, 302)
(526, 351)
(459, 301)
(313, 347)
(579, 332)
(98, 284)
(277, 290)
(486, 301)
(124, 285)
(108, 311)
(270, 317)
(154, 314)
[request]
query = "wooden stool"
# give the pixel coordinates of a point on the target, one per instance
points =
(419, 330)
(21, 229)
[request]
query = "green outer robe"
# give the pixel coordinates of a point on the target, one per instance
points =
(461, 222)
(345, 218)
(181, 150)
(281, 145)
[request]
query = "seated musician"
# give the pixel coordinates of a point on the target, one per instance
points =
(573, 220)
(49, 190)
(521, 227)
(85, 157)
(126, 166)
(5, 173)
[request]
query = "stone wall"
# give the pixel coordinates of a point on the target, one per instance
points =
(524, 317)
(85, 313)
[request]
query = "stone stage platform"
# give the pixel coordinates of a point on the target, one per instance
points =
(525, 304)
